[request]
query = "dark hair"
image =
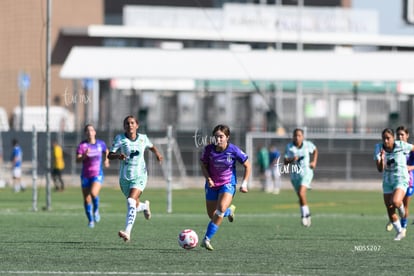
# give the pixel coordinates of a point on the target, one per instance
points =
(14, 142)
(296, 130)
(225, 129)
(403, 128)
(86, 127)
(388, 130)
(130, 117)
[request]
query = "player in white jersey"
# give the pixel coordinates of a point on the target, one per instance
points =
(390, 159)
(297, 156)
(129, 147)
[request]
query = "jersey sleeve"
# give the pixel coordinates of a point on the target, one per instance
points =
(80, 149)
(204, 155)
(241, 156)
(377, 152)
(311, 147)
(116, 144)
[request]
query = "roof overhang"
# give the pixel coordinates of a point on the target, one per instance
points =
(135, 63)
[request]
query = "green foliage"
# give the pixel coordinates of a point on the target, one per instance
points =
(347, 236)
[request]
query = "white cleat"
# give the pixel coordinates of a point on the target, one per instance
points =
(400, 235)
(306, 221)
(147, 212)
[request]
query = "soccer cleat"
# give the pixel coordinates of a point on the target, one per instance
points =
(91, 224)
(231, 215)
(124, 235)
(306, 221)
(97, 217)
(147, 212)
(400, 235)
(206, 244)
(389, 227)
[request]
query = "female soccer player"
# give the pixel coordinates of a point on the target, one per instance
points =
(92, 153)
(129, 147)
(297, 155)
(218, 164)
(403, 135)
(390, 158)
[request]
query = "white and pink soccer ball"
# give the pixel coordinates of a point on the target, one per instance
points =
(188, 239)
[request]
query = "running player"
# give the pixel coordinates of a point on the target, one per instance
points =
(92, 153)
(297, 156)
(391, 161)
(218, 164)
(403, 135)
(129, 147)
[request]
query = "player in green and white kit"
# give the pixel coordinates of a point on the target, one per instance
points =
(390, 159)
(297, 156)
(129, 147)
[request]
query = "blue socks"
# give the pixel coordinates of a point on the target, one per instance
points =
(211, 230)
(88, 211)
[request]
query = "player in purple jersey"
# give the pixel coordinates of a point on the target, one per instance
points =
(403, 135)
(218, 164)
(92, 153)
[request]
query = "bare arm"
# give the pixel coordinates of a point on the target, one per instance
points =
(204, 170)
(157, 153)
(314, 161)
(247, 171)
(81, 157)
(380, 162)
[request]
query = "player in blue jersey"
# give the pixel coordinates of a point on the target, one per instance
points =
(391, 160)
(16, 160)
(92, 153)
(297, 157)
(218, 164)
(403, 135)
(129, 147)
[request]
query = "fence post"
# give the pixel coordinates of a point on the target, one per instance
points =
(34, 169)
(169, 169)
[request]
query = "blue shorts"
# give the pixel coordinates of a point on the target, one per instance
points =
(410, 191)
(86, 182)
(213, 193)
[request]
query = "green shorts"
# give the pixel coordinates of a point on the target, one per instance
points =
(388, 188)
(139, 183)
(306, 181)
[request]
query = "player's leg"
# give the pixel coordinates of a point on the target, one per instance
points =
(211, 205)
(95, 190)
(304, 208)
(392, 216)
(87, 202)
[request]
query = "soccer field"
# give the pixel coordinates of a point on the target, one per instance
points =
(347, 236)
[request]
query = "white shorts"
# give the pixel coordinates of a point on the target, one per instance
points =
(17, 172)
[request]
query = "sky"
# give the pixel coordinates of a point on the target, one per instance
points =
(390, 12)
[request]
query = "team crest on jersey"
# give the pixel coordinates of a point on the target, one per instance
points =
(229, 158)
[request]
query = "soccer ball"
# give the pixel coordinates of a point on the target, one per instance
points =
(188, 239)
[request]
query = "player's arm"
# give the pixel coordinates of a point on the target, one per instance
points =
(247, 171)
(380, 161)
(204, 170)
(82, 156)
(106, 160)
(157, 153)
(314, 161)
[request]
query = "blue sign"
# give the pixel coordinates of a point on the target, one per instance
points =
(24, 81)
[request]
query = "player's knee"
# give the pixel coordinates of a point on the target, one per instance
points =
(219, 213)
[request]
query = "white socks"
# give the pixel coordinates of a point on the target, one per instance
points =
(131, 214)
